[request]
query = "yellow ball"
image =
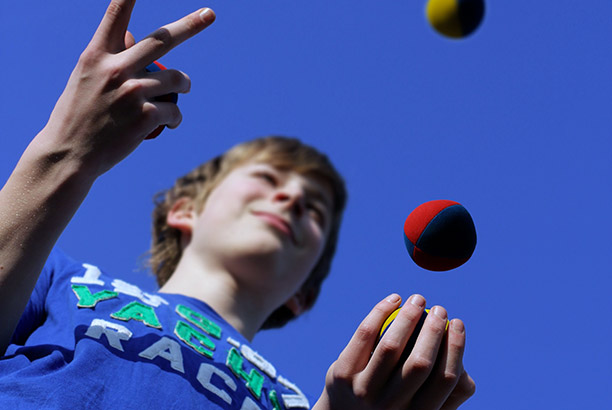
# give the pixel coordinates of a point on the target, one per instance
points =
(415, 333)
(455, 18)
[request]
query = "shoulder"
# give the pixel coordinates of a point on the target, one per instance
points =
(60, 264)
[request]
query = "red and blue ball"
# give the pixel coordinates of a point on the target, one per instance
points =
(440, 235)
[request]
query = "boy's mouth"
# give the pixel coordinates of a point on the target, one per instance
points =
(277, 222)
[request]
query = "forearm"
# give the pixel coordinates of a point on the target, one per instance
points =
(36, 203)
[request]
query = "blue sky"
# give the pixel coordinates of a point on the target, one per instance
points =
(513, 122)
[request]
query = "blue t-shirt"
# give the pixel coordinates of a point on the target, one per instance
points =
(88, 341)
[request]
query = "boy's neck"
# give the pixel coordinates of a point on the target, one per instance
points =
(216, 287)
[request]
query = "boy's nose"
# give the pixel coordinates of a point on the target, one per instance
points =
(291, 199)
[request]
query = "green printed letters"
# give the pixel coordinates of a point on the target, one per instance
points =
(254, 379)
(185, 332)
(140, 312)
(274, 400)
(88, 299)
(199, 320)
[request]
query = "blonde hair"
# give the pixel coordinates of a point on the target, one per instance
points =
(281, 152)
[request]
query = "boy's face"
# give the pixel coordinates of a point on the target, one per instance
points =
(266, 226)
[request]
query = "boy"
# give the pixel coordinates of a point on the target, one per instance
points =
(240, 244)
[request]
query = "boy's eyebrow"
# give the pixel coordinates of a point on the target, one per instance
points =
(312, 187)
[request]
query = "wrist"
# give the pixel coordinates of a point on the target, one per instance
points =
(323, 402)
(49, 159)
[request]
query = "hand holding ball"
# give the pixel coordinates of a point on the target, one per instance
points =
(415, 333)
(440, 235)
(455, 18)
(173, 97)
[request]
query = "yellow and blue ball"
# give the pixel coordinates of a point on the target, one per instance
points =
(455, 18)
(415, 333)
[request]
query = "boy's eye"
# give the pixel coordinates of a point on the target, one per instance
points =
(317, 213)
(268, 177)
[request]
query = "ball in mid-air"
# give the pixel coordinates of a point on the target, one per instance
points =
(455, 18)
(440, 235)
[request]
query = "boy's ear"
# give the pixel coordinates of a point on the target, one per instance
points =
(300, 302)
(295, 305)
(182, 216)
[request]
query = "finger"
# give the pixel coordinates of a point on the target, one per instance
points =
(464, 390)
(446, 372)
(356, 354)
(159, 83)
(129, 39)
(110, 34)
(423, 356)
(167, 37)
(158, 113)
(386, 357)
(421, 361)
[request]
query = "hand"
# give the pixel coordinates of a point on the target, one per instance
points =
(108, 106)
(368, 375)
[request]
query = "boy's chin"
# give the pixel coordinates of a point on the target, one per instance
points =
(268, 258)
(263, 254)
(265, 243)
(255, 268)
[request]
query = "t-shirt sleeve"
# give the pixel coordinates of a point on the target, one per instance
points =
(35, 312)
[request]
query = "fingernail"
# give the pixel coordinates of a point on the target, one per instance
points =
(417, 300)
(439, 311)
(457, 326)
(207, 15)
(393, 298)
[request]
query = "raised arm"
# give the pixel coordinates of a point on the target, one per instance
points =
(106, 110)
